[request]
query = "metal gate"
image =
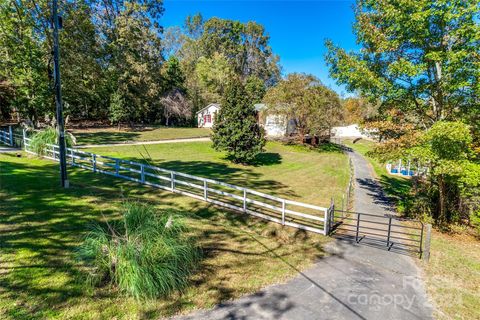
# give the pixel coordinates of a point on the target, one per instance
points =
(385, 231)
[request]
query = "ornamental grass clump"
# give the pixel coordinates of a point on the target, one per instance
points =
(146, 254)
(41, 139)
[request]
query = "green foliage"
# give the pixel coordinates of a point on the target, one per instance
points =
(212, 52)
(39, 141)
(304, 98)
(446, 148)
(117, 111)
(420, 56)
(100, 54)
(255, 89)
(146, 254)
(236, 129)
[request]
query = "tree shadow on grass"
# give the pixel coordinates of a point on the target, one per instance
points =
(105, 137)
(43, 224)
(239, 176)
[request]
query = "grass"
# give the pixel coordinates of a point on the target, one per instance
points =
(42, 226)
(452, 275)
(147, 254)
(290, 171)
(113, 135)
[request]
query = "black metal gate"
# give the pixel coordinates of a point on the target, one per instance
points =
(385, 231)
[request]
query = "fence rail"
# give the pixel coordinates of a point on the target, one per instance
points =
(6, 135)
(283, 211)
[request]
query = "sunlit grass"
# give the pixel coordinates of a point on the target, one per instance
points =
(42, 226)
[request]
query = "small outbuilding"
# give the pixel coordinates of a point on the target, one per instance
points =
(206, 116)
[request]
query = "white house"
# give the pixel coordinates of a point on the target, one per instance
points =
(206, 116)
(351, 131)
(275, 125)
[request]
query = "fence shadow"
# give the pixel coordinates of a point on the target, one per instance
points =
(36, 221)
(105, 137)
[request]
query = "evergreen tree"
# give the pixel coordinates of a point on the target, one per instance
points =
(236, 129)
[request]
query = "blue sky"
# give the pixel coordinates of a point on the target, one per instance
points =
(297, 29)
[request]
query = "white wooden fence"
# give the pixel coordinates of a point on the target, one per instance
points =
(6, 136)
(286, 212)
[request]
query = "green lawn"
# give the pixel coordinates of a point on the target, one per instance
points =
(113, 135)
(293, 172)
(42, 225)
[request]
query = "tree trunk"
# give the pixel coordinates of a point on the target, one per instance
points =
(442, 215)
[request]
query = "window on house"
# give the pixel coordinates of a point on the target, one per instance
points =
(207, 118)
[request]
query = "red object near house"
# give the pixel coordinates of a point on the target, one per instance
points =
(207, 118)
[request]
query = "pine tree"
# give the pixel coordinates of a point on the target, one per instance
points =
(236, 129)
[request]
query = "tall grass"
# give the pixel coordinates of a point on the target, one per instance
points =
(49, 136)
(146, 254)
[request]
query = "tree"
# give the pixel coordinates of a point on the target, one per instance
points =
(213, 74)
(236, 129)
(117, 110)
(359, 110)
(418, 56)
(211, 51)
(176, 104)
(302, 97)
(445, 147)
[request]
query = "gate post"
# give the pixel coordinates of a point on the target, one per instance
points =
(389, 229)
(358, 227)
(426, 248)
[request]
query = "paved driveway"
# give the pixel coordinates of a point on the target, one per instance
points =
(354, 282)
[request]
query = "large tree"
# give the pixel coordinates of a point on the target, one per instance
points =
(419, 56)
(302, 97)
(107, 48)
(217, 49)
(420, 59)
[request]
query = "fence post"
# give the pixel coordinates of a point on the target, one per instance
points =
(205, 190)
(244, 200)
(172, 181)
(358, 227)
(72, 156)
(94, 162)
(117, 167)
(426, 247)
(283, 212)
(331, 218)
(142, 173)
(10, 132)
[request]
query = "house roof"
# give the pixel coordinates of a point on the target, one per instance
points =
(208, 106)
(260, 106)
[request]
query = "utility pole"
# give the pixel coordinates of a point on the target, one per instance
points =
(58, 97)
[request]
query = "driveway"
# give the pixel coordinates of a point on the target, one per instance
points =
(354, 282)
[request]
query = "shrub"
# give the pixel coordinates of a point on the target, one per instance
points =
(49, 136)
(145, 254)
